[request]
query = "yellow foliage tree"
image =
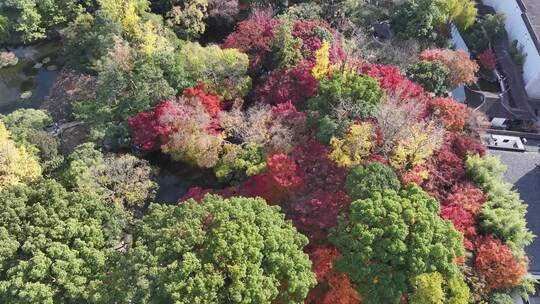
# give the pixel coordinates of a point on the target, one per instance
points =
(322, 62)
(127, 13)
(16, 165)
(419, 144)
(461, 12)
(355, 146)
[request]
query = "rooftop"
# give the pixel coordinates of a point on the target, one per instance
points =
(532, 19)
(524, 174)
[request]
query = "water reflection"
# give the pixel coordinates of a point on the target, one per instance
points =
(33, 76)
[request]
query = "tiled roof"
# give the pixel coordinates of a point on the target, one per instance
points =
(531, 9)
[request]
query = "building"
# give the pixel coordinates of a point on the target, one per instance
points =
(523, 25)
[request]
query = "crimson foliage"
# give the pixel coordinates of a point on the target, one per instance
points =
(148, 133)
(253, 37)
(293, 85)
(393, 82)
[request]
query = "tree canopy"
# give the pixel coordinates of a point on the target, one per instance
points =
(55, 243)
(237, 250)
(391, 237)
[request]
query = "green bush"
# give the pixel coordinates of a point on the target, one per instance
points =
(363, 181)
(503, 215)
(433, 76)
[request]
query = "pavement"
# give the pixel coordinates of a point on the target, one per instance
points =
(524, 174)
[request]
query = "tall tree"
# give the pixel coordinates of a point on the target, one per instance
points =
(391, 237)
(234, 250)
(55, 243)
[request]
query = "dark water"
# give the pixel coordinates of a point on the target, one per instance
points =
(24, 76)
(175, 178)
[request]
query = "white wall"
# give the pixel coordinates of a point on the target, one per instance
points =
(517, 30)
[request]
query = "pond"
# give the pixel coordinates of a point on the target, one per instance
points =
(34, 74)
(175, 178)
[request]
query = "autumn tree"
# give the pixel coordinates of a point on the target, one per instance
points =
(230, 250)
(294, 85)
(396, 236)
(451, 113)
(395, 117)
(223, 71)
(498, 265)
(355, 146)
(16, 164)
(275, 130)
(462, 68)
(27, 129)
(444, 169)
(341, 99)
(55, 243)
(222, 13)
(333, 287)
(394, 83)
(488, 60)
(424, 138)
(253, 37)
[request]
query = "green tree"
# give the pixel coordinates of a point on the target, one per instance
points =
(55, 243)
(344, 97)
(433, 76)
(501, 298)
(124, 180)
(427, 289)
(187, 17)
(286, 49)
(27, 128)
(224, 71)
(485, 30)
(239, 162)
(503, 215)
(4, 29)
(389, 238)
(128, 83)
(363, 181)
(237, 250)
(419, 19)
(88, 39)
(36, 20)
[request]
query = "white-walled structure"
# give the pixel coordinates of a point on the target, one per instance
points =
(523, 25)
